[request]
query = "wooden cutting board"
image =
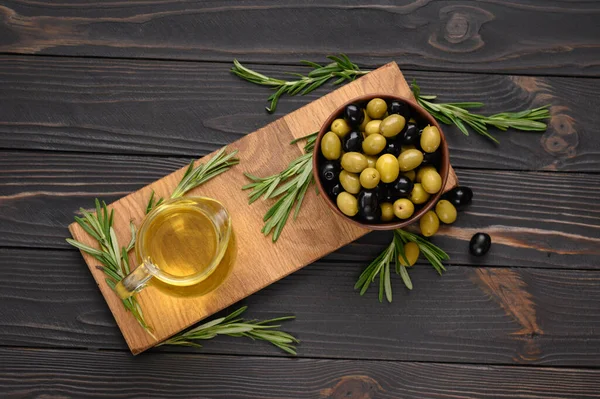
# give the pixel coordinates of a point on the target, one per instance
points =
(260, 262)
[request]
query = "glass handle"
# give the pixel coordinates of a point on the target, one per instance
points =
(136, 280)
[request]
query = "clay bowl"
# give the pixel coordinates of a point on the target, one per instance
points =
(423, 118)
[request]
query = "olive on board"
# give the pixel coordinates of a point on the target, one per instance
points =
(410, 135)
(418, 195)
(411, 252)
(354, 162)
(459, 196)
(373, 144)
(387, 212)
(347, 203)
(400, 108)
(369, 178)
(480, 243)
(350, 182)
(392, 125)
(387, 165)
(430, 139)
(431, 181)
(354, 114)
(340, 127)
(372, 127)
(429, 223)
(446, 211)
(329, 172)
(331, 146)
(353, 141)
(409, 159)
(401, 187)
(403, 208)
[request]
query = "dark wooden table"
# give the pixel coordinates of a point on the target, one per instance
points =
(101, 98)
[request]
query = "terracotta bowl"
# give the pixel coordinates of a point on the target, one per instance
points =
(424, 118)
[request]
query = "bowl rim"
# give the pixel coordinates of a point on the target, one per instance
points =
(444, 167)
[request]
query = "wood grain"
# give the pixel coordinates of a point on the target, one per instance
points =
(45, 373)
(545, 220)
(259, 262)
(469, 315)
(192, 109)
(463, 36)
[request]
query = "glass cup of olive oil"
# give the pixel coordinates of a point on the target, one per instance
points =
(185, 246)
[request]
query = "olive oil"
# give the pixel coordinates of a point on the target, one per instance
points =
(181, 240)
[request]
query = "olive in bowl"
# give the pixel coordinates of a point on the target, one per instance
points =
(381, 143)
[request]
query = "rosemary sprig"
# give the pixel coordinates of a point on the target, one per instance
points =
(289, 185)
(195, 176)
(380, 267)
(114, 259)
(459, 115)
(235, 326)
(341, 68)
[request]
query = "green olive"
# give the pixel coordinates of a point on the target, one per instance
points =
(412, 120)
(418, 195)
(430, 139)
(371, 161)
(407, 147)
(392, 125)
(373, 144)
(354, 162)
(387, 166)
(340, 127)
(411, 251)
(446, 211)
(409, 175)
(403, 208)
(421, 171)
(365, 121)
(429, 224)
(347, 203)
(372, 127)
(376, 108)
(350, 182)
(369, 178)
(410, 159)
(431, 181)
(387, 212)
(331, 146)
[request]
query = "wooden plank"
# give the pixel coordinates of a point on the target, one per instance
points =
(191, 109)
(539, 219)
(97, 374)
(465, 36)
(259, 262)
(469, 315)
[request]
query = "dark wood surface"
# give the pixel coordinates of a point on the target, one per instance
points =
(99, 99)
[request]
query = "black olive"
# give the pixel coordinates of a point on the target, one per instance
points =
(354, 114)
(393, 147)
(401, 187)
(368, 204)
(353, 142)
(432, 158)
(373, 217)
(411, 134)
(330, 171)
(400, 108)
(480, 243)
(459, 196)
(335, 190)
